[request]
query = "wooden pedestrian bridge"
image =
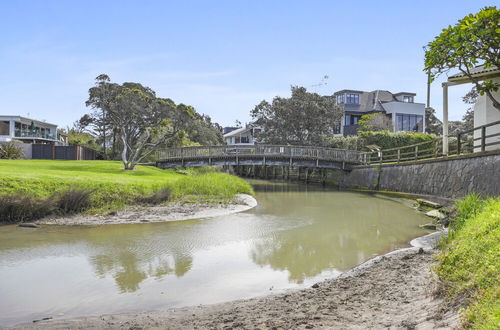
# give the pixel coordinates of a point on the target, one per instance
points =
(268, 155)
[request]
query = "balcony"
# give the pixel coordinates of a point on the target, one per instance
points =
(20, 133)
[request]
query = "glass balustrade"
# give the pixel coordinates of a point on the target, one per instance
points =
(34, 134)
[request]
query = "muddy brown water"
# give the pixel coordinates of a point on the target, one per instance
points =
(296, 236)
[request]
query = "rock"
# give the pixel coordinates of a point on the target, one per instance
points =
(436, 214)
(113, 213)
(315, 286)
(430, 226)
(145, 220)
(28, 225)
(424, 202)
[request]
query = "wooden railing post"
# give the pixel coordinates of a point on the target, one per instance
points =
(380, 154)
(416, 152)
(459, 144)
(399, 155)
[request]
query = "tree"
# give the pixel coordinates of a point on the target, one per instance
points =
(303, 119)
(473, 41)
(432, 124)
(375, 122)
(143, 120)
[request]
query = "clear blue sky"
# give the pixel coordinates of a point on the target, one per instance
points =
(223, 57)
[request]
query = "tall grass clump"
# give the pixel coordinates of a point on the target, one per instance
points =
(469, 264)
(21, 208)
(73, 200)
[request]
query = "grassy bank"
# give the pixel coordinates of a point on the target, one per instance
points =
(110, 187)
(469, 265)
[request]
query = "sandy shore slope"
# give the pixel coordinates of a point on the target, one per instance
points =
(392, 291)
(174, 212)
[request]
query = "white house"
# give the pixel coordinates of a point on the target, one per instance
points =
(27, 130)
(243, 135)
(406, 115)
(484, 111)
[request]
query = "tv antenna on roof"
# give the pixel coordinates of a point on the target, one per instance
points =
(323, 82)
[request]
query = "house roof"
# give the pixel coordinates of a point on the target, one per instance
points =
(478, 72)
(238, 131)
(25, 119)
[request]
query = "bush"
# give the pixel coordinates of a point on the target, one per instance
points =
(375, 122)
(15, 208)
(158, 197)
(347, 142)
(73, 200)
(388, 140)
(10, 150)
(381, 139)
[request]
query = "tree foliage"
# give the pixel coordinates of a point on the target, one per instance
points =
(375, 122)
(432, 124)
(473, 41)
(142, 120)
(302, 119)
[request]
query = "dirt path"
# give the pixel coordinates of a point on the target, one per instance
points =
(393, 291)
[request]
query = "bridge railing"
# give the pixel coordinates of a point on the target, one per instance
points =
(341, 155)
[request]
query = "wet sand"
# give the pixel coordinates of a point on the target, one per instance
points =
(173, 212)
(393, 291)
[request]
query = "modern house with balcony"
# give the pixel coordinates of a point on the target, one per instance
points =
(242, 136)
(27, 130)
(406, 115)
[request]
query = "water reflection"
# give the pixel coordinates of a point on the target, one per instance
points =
(295, 235)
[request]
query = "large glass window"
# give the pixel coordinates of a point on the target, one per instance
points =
(407, 122)
(4, 128)
(408, 99)
(340, 99)
(352, 99)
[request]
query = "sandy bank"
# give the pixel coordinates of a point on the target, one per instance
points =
(391, 291)
(173, 212)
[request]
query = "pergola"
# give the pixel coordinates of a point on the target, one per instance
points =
(480, 73)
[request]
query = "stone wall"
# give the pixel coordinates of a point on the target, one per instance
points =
(452, 177)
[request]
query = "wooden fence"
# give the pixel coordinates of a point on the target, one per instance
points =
(479, 139)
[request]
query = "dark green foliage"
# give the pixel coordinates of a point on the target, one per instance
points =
(375, 122)
(73, 200)
(302, 119)
(10, 150)
(381, 139)
(158, 197)
(19, 208)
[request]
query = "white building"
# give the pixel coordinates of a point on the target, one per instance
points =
(27, 130)
(406, 115)
(242, 136)
(484, 111)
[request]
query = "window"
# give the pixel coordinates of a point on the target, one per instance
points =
(4, 128)
(351, 120)
(412, 123)
(408, 99)
(352, 98)
(340, 98)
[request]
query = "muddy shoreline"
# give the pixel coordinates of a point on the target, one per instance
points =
(143, 214)
(390, 291)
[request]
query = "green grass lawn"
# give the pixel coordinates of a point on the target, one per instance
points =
(469, 265)
(111, 186)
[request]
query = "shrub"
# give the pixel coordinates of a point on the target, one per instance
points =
(380, 139)
(10, 150)
(158, 197)
(388, 140)
(375, 122)
(73, 200)
(347, 142)
(15, 208)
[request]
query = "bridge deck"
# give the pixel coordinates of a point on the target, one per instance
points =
(274, 155)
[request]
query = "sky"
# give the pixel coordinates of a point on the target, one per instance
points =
(222, 57)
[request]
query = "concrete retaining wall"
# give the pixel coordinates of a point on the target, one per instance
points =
(452, 177)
